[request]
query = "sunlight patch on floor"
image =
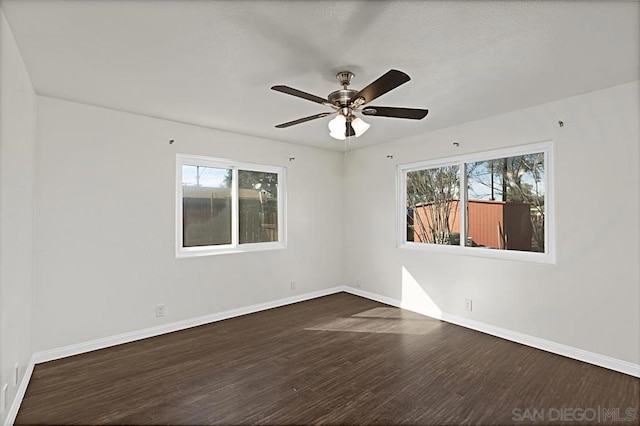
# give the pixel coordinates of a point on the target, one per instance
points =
(383, 312)
(381, 320)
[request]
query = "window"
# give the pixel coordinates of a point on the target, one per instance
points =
(227, 207)
(491, 204)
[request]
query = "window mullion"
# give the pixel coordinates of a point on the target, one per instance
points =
(549, 242)
(179, 207)
(402, 209)
(463, 204)
(235, 213)
(281, 207)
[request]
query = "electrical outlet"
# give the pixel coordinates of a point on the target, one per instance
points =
(159, 310)
(294, 285)
(468, 305)
(16, 374)
(4, 398)
(358, 283)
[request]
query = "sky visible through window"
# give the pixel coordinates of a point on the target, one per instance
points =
(481, 178)
(204, 176)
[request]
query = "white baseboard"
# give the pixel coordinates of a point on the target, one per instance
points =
(80, 348)
(119, 339)
(525, 339)
(549, 346)
(546, 345)
(22, 389)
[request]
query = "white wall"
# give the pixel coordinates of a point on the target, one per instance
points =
(104, 236)
(105, 225)
(17, 159)
(590, 298)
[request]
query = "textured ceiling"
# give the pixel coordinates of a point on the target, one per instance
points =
(212, 62)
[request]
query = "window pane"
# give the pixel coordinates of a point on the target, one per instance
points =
(432, 205)
(206, 206)
(505, 208)
(258, 206)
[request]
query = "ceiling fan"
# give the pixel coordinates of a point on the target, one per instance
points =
(346, 102)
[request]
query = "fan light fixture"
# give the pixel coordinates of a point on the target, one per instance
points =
(337, 127)
(345, 102)
(359, 126)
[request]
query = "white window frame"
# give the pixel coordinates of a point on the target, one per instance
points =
(235, 246)
(549, 229)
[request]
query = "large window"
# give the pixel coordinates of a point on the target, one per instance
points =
(492, 204)
(226, 207)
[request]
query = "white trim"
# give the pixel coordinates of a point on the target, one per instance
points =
(547, 345)
(524, 256)
(22, 389)
(549, 256)
(550, 203)
(235, 214)
(377, 297)
(282, 207)
(514, 336)
(462, 207)
(478, 156)
(132, 336)
(525, 339)
(535, 342)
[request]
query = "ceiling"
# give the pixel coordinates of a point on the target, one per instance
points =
(212, 63)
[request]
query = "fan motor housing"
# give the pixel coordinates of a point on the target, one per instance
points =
(342, 97)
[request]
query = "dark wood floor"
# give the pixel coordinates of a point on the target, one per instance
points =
(338, 359)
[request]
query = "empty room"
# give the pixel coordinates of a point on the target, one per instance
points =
(319, 212)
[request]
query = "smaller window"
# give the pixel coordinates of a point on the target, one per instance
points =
(227, 207)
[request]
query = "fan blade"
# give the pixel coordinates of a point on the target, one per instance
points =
(411, 113)
(349, 130)
(299, 93)
(385, 83)
(303, 120)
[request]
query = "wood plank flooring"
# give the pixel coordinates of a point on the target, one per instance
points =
(338, 359)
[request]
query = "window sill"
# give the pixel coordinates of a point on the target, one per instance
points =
(243, 248)
(521, 256)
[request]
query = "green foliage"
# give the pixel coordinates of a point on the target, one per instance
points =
(432, 185)
(430, 198)
(518, 179)
(263, 181)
